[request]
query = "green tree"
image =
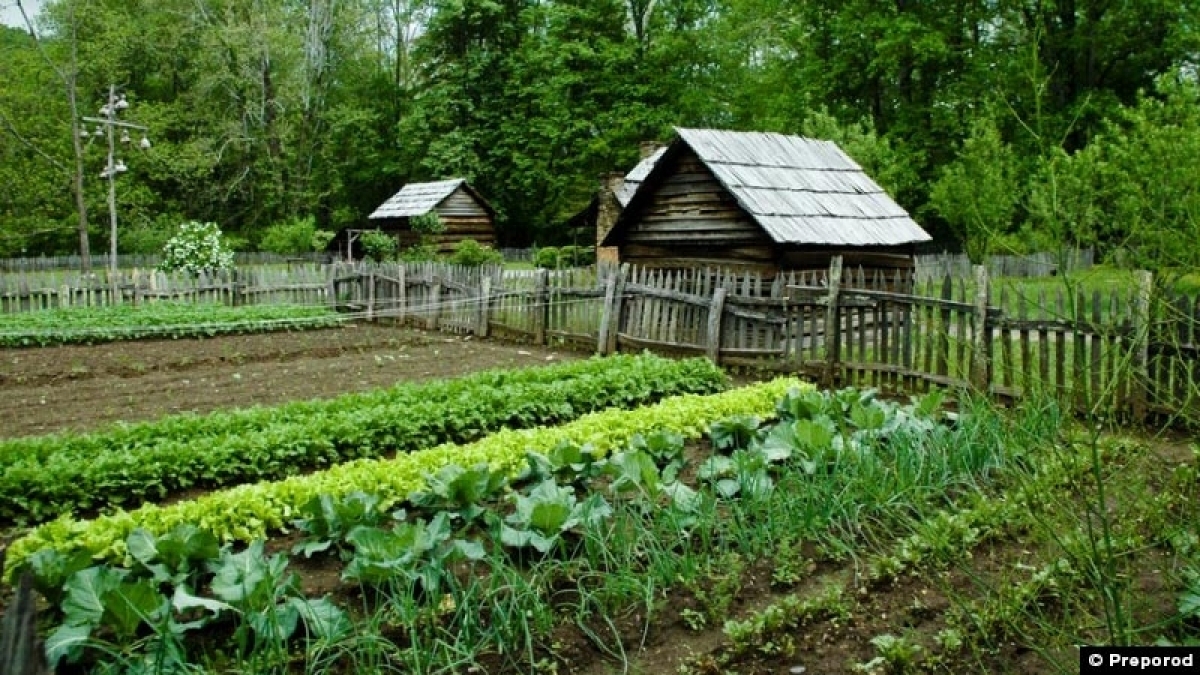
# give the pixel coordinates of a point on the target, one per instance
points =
(1135, 189)
(978, 192)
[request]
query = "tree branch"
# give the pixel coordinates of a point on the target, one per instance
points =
(12, 129)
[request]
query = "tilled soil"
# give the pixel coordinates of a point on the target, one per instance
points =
(53, 389)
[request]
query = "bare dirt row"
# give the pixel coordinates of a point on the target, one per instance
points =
(53, 389)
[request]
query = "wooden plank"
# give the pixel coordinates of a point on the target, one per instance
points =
(541, 306)
(371, 296)
(961, 367)
(713, 334)
(1023, 336)
(1007, 371)
(1043, 346)
(832, 333)
(435, 310)
(1140, 372)
(981, 354)
(1060, 351)
(485, 306)
(943, 343)
(1080, 379)
(625, 340)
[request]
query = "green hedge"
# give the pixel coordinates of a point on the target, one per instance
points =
(90, 325)
(41, 478)
(249, 512)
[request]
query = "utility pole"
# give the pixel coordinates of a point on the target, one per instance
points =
(106, 125)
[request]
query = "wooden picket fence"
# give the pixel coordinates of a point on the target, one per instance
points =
(298, 283)
(1127, 352)
(1124, 352)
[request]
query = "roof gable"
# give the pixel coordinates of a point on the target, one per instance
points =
(799, 190)
(417, 199)
(635, 177)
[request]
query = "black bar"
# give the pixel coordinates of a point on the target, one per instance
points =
(1147, 660)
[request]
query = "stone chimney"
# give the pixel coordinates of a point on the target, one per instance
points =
(608, 209)
(647, 148)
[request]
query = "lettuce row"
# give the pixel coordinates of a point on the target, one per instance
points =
(101, 471)
(250, 512)
(221, 423)
(91, 325)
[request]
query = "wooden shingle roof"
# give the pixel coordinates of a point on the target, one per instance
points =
(799, 190)
(417, 199)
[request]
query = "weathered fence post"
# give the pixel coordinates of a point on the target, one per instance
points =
(981, 350)
(1139, 385)
(716, 309)
(485, 304)
(401, 292)
(606, 315)
(371, 295)
(614, 314)
(331, 288)
(435, 301)
(541, 306)
(833, 333)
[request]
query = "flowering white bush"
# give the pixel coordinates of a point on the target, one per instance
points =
(196, 248)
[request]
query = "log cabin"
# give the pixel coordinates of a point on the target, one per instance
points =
(762, 202)
(463, 212)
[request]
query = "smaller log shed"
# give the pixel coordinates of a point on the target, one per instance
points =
(464, 213)
(754, 201)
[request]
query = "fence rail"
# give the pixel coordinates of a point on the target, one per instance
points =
(936, 266)
(1128, 351)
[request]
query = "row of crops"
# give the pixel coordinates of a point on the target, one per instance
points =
(44, 477)
(93, 325)
(473, 544)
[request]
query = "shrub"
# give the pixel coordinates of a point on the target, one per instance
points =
(576, 256)
(320, 239)
(378, 246)
(424, 252)
(294, 235)
(473, 254)
(546, 257)
(149, 237)
(566, 256)
(197, 247)
(427, 223)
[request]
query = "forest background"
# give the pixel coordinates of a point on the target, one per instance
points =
(1002, 125)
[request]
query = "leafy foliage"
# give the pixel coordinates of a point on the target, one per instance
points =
(247, 512)
(473, 254)
(327, 522)
(411, 552)
(295, 235)
(196, 248)
(427, 223)
(533, 101)
(43, 477)
(378, 245)
(550, 511)
(91, 325)
(460, 493)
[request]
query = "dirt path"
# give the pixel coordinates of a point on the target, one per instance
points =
(83, 387)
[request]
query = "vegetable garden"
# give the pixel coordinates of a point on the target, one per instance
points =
(620, 514)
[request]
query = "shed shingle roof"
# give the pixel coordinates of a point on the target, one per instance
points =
(799, 190)
(635, 177)
(416, 199)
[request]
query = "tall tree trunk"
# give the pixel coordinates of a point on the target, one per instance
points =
(69, 78)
